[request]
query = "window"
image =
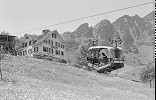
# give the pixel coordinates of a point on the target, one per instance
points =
(49, 42)
(45, 41)
(23, 53)
(30, 51)
(27, 37)
(52, 50)
(20, 53)
(57, 52)
(29, 42)
(62, 46)
(23, 45)
(26, 44)
(56, 44)
(36, 49)
(49, 50)
(44, 48)
(53, 35)
(62, 53)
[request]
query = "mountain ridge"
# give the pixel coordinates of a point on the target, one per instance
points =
(134, 32)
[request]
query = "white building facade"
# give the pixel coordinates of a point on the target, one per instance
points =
(49, 43)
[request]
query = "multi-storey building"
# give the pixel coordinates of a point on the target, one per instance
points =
(50, 43)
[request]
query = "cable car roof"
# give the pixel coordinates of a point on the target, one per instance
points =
(104, 47)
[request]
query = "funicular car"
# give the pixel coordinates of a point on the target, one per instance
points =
(105, 59)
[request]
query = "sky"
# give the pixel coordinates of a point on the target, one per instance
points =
(18, 16)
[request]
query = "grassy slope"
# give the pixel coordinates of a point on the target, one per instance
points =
(29, 78)
(133, 65)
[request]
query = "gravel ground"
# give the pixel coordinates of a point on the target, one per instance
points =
(33, 79)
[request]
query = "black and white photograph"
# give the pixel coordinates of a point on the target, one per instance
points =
(77, 49)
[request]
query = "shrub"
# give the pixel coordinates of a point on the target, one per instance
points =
(148, 74)
(81, 58)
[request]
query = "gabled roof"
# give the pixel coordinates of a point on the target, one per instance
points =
(42, 37)
(33, 37)
(59, 36)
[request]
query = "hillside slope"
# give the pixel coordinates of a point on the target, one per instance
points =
(134, 31)
(29, 78)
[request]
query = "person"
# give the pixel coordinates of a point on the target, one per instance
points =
(103, 58)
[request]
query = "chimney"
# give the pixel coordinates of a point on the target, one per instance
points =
(45, 31)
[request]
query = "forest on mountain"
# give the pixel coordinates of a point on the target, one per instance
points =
(136, 33)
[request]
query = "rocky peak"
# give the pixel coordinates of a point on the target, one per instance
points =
(83, 26)
(150, 16)
(149, 19)
(83, 31)
(104, 30)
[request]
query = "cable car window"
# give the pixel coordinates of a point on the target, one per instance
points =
(89, 53)
(105, 51)
(93, 53)
(116, 53)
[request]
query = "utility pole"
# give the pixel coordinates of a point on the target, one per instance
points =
(116, 45)
(93, 42)
(0, 62)
(116, 42)
(68, 47)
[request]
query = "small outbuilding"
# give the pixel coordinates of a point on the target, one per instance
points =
(7, 44)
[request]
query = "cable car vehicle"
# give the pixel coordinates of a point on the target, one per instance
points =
(105, 59)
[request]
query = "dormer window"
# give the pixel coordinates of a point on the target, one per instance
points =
(27, 37)
(53, 35)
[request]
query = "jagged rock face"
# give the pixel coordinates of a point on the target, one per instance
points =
(149, 19)
(133, 30)
(70, 41)
(83, 31)
(103, 31)
(123, 26)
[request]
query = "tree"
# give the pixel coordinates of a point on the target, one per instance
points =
(81, 57)
(148, 74)
(4, 33)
